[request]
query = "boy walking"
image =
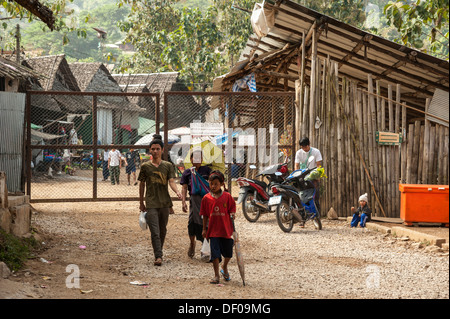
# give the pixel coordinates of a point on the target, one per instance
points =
(155, 177)
(217, 209)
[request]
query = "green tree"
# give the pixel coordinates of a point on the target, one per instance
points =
(348, 11)
(61, 12)
(421, 24)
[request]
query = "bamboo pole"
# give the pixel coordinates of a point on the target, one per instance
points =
(445, 156)
(305, 113)
(403, 150)
(359, 153)
(420, 164)
(312, 91)
(340, 154)
(397, 149)
(431, 174)
(426, 146)
(328, 141)
(361, 131)
(410, 147)
(440, 157)
(415, 154)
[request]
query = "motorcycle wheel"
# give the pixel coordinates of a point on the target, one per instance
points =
(317, 223)
(251, 213)
(284, 217)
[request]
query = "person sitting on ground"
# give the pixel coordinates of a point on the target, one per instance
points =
(362, 214)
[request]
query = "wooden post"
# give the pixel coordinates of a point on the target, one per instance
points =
(313, 88)
(410, 148)
(420, 164)
(432, 151)
(426, 146)
(340, 155)
(397, 150)
(445, 156)
(415, 155)
(440, 162)
(403, 150)
(306, 110)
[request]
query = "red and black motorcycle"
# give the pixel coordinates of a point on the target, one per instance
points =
(255, 194)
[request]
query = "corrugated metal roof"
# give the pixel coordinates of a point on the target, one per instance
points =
(358, 53)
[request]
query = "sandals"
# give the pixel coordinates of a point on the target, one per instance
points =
(214, 281)
(191, 251)
(158, 262)
(225, 276)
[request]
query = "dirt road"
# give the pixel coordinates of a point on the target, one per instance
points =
(103, 242)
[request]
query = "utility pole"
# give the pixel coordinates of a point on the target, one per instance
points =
(18, 44)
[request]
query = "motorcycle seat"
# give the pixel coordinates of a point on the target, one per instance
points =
(262, 184)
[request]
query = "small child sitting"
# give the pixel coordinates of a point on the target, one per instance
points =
(362, 214)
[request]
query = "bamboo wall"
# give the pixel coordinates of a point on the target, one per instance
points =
(354, 162)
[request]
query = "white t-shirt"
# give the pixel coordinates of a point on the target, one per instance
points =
(114, 158)
(301, 157)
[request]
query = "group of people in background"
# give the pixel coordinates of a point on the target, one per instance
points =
(113, 161)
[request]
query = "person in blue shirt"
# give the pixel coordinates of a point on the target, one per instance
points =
(195, 223)
(130, 169)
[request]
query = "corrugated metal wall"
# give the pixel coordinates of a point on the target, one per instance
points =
(12, 107)
(439, 107)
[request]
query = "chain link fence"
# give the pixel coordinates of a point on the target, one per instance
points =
(71, 134)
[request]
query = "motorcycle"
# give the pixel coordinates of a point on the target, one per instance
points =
(254, 194)
(295, 201)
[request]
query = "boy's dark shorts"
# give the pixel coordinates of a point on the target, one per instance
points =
(221, 247)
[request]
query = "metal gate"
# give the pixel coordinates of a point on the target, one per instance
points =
(261, 127)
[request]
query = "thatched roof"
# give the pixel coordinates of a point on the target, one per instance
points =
(16, 71)
(84, 74)
(155, 82)
(273, 58)
(57, 71)
(58, 77)
(180, 113)
(95, 77)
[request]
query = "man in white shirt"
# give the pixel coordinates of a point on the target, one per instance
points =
(114, 165)
(305, 151)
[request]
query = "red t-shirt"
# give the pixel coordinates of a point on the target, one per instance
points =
(218, 210)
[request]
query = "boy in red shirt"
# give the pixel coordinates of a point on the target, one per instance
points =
(217, 209)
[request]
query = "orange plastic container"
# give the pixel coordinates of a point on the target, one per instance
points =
(424, 203)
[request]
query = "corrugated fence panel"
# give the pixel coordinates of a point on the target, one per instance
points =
(12, 107)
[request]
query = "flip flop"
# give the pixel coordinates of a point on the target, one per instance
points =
(191, 251)
(158, 262)
(214, 281)
(225, 276)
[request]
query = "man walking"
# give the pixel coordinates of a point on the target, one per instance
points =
(154, 178)
(114, 165)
